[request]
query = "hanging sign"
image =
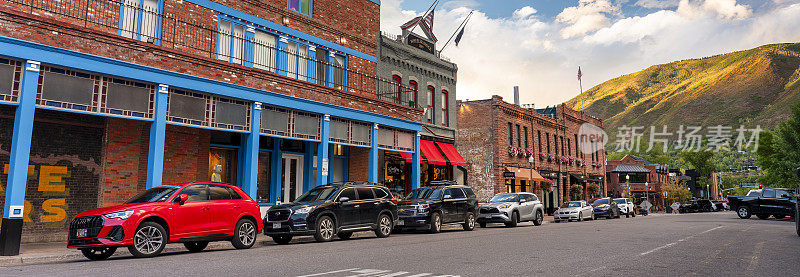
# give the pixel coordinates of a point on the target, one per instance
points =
(421, 43)
(325, 167)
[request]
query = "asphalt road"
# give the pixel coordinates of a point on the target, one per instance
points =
(710, 244)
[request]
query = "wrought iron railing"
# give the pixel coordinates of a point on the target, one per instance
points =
(144, 20)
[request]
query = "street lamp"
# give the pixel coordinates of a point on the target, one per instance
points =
(647, 193)
(628, 183)
(531, 160)
(708, 192)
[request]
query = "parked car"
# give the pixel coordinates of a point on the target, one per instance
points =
(696, 206)
(720, 205)
(574, 210)
(642, 211)
(191, 213)
(777, 202)
(626, 206)
(512, 208)
(333, 209)
(431, 207)
(605, 207)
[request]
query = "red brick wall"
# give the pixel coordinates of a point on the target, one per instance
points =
(125, 151)
(186, 154)
(359, 164)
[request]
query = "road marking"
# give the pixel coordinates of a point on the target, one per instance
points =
(756, 253)
(668, 245)
(330, 272)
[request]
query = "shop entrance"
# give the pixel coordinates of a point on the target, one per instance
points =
(292, 177)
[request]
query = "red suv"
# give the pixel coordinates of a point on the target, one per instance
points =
(193, 214)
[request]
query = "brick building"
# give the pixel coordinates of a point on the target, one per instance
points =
(102, 99)
(499, 140)
(421, 78)
(646, 179)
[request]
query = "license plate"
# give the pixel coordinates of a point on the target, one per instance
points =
(400, 223)
(81, 233)
(276, 225)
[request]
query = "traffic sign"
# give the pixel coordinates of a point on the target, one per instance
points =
(666, 193)
(675, 205)
(646, 205)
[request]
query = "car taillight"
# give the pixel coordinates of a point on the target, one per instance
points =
(394, 200)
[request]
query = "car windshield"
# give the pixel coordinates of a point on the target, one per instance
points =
(434, 194)
(600, 201)
(417, 194)
(574, 204)
(755, 192)
(316, 194)
(619, 201)
(157, 194)
(504, 197)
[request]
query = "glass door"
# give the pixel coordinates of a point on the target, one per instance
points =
(292, 177)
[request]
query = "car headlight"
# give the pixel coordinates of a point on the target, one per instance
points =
(304, 210)
(119, 215)
(423, 208)
(504, 206)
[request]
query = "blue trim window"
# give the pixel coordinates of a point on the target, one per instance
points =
(141, 20)
(230, 41)
(265, 51)
(302, 6)
(297, 66)
(339, 72)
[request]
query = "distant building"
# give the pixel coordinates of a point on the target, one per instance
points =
(644, 180)
(499, 140)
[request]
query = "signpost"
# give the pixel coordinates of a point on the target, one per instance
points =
(675, 206)
(646, 205)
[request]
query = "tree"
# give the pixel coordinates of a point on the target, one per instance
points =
(676, 192)
(778, 152)
(703, 162)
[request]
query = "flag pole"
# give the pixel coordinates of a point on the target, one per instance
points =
(425, 14)
(463, 25)
(580, 85)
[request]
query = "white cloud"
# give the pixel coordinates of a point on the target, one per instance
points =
(588, 16)
(499, 53)
(728, 9)
(524, 12)
(657, 4)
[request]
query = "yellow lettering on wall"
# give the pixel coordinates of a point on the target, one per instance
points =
(26, 213)
(50, 178)
(31, 171)
(55, 208)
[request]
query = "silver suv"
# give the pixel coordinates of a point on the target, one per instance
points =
(512, 208)
(626, 207)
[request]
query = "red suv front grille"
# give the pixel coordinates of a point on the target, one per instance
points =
(92, 224)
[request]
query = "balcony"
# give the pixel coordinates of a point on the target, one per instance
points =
(235, 44)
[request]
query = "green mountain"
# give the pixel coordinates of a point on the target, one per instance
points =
(751, 87)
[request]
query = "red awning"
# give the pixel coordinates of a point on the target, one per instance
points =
(452, 154)
(431, 153)
(409, 157)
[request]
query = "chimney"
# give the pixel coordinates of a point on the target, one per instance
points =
(516, 95)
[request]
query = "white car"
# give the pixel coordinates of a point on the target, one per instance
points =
(626, 207)
(574, 210)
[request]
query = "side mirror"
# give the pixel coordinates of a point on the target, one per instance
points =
(344, 199)
(182, 198)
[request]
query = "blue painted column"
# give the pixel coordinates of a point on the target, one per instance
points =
(308, 167)
(14, 206)
(373, 155)
(312, 69)
(249, 38)
(282, 62)
(331, 164)
(322, 151)
(250, 172)
(277, 168)
(158, 130)
(416, 160)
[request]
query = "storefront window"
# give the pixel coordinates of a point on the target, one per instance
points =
(222, 165)
(264, 174)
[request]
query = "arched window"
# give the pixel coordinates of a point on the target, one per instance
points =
(413, 85)
(431, 104)
(445, 109)
(398, 81)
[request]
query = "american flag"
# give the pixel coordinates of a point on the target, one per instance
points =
(579, 73)
(428, 21)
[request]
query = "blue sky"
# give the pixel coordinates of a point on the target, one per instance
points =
(539, 44)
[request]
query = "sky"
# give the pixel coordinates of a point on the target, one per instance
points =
(539, 44)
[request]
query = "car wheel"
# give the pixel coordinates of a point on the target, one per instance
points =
(384, 226)
(779, 216)
(580, 216)
(744, 212)
(482, 224)
(627, 215)
(539, 218)
(148, 240)
(436, 223)
(469, 223)
(195, 246)
(244, 235)
(344, 235)
(514, 220)
(762, 216)
(325, 229)
(98, 253)
(282, 239)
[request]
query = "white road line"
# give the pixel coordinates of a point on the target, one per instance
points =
(368, 272)
(680, 240)
(329, 272)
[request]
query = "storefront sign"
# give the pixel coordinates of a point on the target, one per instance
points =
(325, 167)
(509, 174)
(420, 43)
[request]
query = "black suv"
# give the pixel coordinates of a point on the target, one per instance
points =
(443, 203)
(697, 206)
(334, 209)
(605, 207)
